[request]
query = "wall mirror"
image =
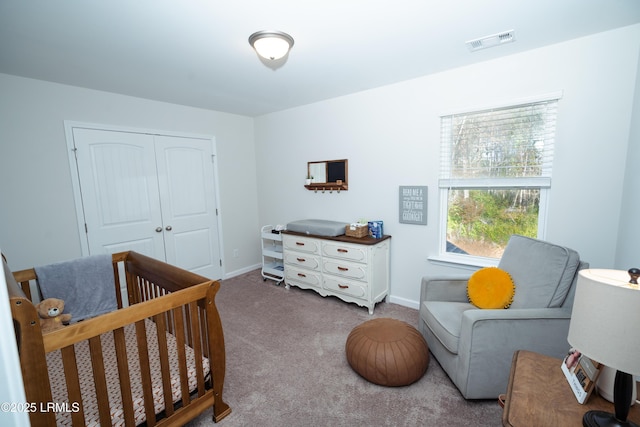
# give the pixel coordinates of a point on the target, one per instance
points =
(328, 175)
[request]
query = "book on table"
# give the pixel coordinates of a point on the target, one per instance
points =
(581, 373)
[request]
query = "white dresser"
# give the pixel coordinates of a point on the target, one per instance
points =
(352, 269)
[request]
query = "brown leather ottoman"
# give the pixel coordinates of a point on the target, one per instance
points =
(387, 352)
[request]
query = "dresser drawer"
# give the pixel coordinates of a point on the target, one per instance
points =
(345, 269)
(302, 276)
(345, 287)
(351, 253)
(301, 259)
(301, 244)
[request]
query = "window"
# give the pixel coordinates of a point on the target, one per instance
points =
(495, 176)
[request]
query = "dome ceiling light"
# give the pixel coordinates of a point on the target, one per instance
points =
(271, 45)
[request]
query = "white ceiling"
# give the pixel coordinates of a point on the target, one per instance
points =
(195, 52)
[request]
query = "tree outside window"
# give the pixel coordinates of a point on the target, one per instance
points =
(495, 176)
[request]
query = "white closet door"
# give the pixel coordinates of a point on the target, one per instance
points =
(186, 184)
(119, 187)
(151, 194)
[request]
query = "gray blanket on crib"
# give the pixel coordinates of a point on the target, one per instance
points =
(85, 284)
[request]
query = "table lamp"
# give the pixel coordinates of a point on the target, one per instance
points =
(604, 327)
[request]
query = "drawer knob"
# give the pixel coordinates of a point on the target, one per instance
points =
(344, 251)
(299, 243)
(300, 259)
(343, 268)
(302, 275)
(343, 286)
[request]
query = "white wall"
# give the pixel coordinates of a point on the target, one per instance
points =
(37, 214)
(628, 254)
(391, 136)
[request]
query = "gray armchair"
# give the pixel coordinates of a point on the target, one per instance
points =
(475, 346)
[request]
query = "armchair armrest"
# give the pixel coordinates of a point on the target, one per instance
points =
(472, 316)
(541, 329)
(444, 288)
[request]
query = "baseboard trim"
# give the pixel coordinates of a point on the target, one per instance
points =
(242, 271)
(404, 302)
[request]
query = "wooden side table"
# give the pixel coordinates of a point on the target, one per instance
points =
(538, 394)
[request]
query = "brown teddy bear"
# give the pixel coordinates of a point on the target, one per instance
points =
(50, 311)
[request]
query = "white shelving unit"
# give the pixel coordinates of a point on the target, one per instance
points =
(272, 259)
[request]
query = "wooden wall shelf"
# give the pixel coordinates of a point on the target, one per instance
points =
(330, 187)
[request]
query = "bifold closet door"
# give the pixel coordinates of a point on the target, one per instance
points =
(151, 194)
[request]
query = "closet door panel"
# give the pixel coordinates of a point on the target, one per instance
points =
(119, 188)
(187, 194)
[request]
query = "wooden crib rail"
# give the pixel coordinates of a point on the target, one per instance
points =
(108, 322)
(184, 308)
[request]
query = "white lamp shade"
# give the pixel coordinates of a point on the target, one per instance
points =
(271, 45)
(605, 319)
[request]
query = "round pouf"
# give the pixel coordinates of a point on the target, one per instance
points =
(387, 352)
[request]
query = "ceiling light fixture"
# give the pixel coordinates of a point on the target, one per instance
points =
(271, 45)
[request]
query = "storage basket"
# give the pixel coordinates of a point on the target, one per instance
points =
(354, 231)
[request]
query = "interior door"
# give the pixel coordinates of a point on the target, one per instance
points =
(151, 194)
(119, 189)
(186, 184)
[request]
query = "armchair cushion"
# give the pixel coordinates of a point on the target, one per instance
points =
(490, 287)
(542, 271)
(445, 319)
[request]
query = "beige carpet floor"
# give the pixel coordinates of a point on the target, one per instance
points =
(286, 366)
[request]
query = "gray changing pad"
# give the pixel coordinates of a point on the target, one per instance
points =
(319, 227)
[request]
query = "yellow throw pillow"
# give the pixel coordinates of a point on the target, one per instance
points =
(491, 287)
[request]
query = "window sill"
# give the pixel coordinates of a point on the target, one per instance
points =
(467, 262)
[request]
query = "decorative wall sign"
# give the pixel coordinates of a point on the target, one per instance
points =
(413, 204)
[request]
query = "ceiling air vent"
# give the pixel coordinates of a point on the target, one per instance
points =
(491, 41)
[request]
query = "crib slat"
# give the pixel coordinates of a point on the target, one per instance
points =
(205, 332)
(164, 363)
(123, 373)
(196, 344)
(182, 358)
(100, 380)
(170, 322)
(187, 329)
(26, 288)
(73, 383)
(116, 280)
(144, 286)
(145, 373)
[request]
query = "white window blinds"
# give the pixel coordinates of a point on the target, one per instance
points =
(501, 147)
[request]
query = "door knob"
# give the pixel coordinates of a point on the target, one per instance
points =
(158, 230)
(168, 228)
